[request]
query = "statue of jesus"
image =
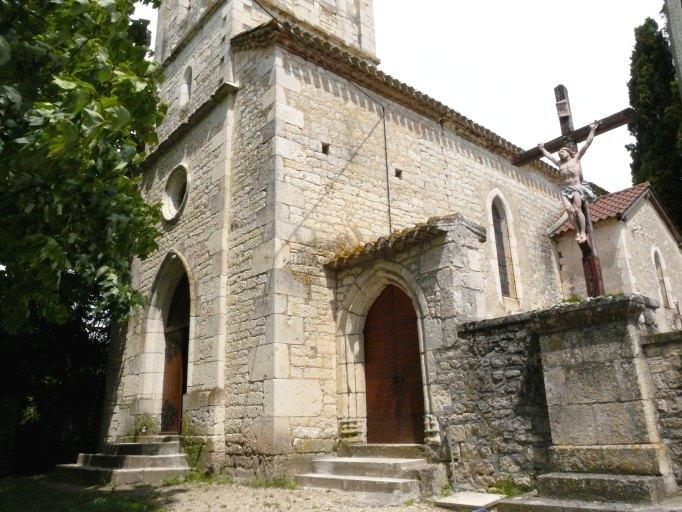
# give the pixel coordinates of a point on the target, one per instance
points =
(573, 189)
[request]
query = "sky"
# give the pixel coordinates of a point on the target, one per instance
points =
(498, 61)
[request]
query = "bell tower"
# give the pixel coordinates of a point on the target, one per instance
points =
(345, 23)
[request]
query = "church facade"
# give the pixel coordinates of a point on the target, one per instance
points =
(330, 235)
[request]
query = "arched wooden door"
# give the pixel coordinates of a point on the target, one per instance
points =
(176, 334)
(395, 399)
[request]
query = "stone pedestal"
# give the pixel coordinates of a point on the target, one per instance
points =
(606, 442)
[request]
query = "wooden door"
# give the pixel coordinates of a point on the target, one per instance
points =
(176, 335)
(395, 399)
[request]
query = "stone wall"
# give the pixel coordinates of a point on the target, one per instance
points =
(646, 233)
(496, 413)
(664, 355)
(192, 243)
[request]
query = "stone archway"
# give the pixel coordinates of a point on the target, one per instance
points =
(351, 376)
(171, 316)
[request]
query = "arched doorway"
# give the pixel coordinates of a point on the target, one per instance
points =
(395, 398)
(176, 335)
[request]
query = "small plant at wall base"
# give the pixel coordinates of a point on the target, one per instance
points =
(143, 425)
(509, 488)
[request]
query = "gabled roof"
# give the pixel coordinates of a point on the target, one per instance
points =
(326, 55)
(618, 205)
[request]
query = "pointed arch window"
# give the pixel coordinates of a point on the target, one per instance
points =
(661, 281)
(505, 264)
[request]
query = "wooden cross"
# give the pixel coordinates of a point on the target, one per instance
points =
(594, 281)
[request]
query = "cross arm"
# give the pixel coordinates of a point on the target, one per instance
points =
(607, 124)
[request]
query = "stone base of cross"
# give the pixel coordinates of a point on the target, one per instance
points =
(594, 282)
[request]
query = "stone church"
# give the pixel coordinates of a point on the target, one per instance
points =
(347, 262)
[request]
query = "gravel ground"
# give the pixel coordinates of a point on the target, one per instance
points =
(238, 498)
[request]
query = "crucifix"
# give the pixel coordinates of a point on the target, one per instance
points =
(575, 192)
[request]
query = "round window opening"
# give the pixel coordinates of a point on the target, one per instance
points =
(175, 195)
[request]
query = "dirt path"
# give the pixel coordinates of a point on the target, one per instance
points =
(221, 498)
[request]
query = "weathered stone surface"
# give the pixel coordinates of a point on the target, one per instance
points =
(602, 487)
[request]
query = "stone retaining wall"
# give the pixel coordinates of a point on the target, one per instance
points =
(497, 420)
(664, 355)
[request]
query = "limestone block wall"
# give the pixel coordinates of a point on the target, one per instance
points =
(333, 154)
(191, 243)
(251, 210)
(328, 189)
(664, 354)
(206, 54)
(645, 234)
(496, 414)
(346, 22)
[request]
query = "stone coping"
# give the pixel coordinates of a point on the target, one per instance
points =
(592, 311)
(315, 49)
(569, 315)
(662, 344)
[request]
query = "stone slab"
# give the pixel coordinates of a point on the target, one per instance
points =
(551, 505)
(468, 500)
(603, 487)
(408, 488)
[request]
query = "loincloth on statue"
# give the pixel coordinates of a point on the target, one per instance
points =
(583, 189)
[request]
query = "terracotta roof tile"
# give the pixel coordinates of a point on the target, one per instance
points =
(609, 206)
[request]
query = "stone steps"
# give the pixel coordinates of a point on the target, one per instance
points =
(401, 477)
(406, 487)
(129, 463)
(157, 448)
(401, 451)
(93, 474)
(366, 466)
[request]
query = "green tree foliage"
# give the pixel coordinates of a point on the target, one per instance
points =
(657, 154)
(78, 105)
(54, 375)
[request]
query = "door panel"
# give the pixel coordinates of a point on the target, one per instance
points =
(175, 363)
(395, 405)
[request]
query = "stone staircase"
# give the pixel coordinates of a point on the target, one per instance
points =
(149, 462)
(399, 470)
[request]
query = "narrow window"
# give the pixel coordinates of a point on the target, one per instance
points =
(661, 281)
(399, 174)
(325, 148)
(505, 265)
(186, 87)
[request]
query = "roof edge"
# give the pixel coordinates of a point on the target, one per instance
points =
(333, 58)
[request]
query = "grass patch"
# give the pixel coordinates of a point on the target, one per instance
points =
(446, 490)
(198, 477)
(409, 503)
(509, 488)
(573, 299)
(37, 494)
(282, 481)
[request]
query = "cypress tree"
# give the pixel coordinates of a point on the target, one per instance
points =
(657, 154)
